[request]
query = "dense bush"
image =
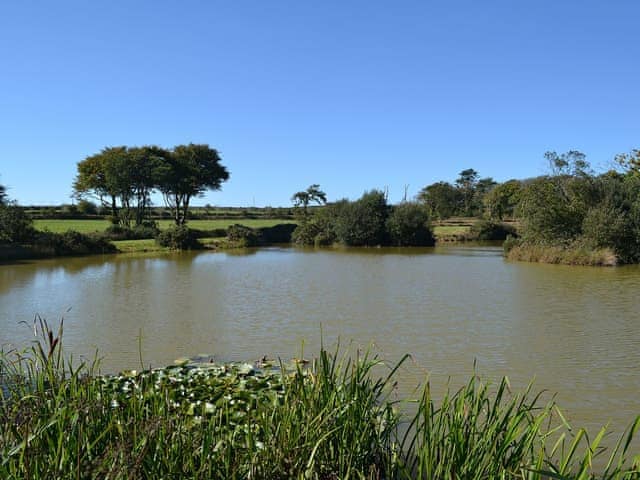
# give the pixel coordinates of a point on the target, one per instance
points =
(584, 212)
(408, 225)
(281, 233)
(368, 221)
(492, 230)
(363, 222)
(147, 229)
(178, 238)
(213, 233)
(15, 225)
(69, 243)
(243, 236)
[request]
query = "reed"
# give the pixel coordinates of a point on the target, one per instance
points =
(334, 418)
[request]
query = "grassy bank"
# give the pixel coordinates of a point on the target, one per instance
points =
(92, 226)
(563, 255)
(332, 419)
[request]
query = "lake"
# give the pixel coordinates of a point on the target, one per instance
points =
(575, 330)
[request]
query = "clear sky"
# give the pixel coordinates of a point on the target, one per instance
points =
(352, 95)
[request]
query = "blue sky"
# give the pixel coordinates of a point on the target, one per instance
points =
(352, 95)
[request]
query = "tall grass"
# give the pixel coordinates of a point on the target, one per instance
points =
(332, 419)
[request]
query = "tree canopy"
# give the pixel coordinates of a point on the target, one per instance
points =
(123, 178)
(305, 197)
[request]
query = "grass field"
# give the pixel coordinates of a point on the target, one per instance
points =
(450, 230)
(89, 226)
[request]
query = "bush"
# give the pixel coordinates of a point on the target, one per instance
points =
(147, 229)
(178, 238)
(70, 243)
(15, 225)
(607, 227)
(362, 223)
(214, 233)
(281, 233)
(244, 236)
(492, 230)
(408, 226)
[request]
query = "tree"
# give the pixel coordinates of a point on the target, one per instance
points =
(363, 222)
(466, 183)
(629, 162)
(571, 163)
(104, 176)
(144, 167)
(304, 198)
(408, 225)
(441, 199)
(3, 195)
(502, 200)
(15, 225)
(187, 172)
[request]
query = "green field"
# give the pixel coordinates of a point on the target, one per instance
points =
(89, 226)
(450, 230)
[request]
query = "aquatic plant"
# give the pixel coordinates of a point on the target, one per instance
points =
(332, 418)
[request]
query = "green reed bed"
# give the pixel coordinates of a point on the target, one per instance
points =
(333, 418)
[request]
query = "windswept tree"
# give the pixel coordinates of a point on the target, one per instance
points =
(144, 167)
(187, 172)
(103, 176)
(629, 162)
(305, 197)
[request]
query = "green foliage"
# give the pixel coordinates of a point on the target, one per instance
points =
(15, 225)
(242, 235)
(408, 225)
(491, 230)
(584, 212)
(178, 238)
(69, 243)
(335, 419)
(280, 233)
(363, 222)
(123, 178)
(549, 214)
(3, 195)
(189, 171)
(502, 200)
(441, 199)
(147, 229)
(319, 230)
(304, 198)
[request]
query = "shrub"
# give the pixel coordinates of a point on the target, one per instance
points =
(607, 227)
(243, 235)
(15, 225)
(362, 223)
(408, 225)
(147, 229)
(280, 233)
(178, 238)
(492, 230)
(70, 243)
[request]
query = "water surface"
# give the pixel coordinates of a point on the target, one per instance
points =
(574, 329)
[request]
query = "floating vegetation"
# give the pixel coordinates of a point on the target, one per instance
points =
(329, 419)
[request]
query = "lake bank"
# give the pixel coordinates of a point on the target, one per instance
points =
(335, 418)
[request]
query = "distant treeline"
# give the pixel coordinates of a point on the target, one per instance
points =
(570, 215)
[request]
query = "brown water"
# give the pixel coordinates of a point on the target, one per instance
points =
(576, 330)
